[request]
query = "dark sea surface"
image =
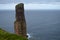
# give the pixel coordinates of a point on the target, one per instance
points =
(41, 24)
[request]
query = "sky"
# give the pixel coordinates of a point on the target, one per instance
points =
(28, 1)
(30, 5)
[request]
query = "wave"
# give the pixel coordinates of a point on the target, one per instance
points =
(29, 36)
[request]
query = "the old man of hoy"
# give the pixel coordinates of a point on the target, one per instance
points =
(20, 23)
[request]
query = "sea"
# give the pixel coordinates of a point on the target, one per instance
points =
(41, 24)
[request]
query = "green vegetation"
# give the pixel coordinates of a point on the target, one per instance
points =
(8, 36)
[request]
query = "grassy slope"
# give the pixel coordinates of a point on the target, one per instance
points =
(7, 36)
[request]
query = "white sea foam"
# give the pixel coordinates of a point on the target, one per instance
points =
(29, 36)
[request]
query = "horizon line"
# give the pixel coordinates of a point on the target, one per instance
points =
(30, 6)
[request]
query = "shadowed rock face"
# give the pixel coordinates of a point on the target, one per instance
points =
(20, 23)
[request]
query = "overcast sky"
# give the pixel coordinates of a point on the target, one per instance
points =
(30, 4)
(28, 1)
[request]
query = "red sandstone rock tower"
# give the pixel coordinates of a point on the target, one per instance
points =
(20, 23)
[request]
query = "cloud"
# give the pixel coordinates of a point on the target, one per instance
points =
(36, 1)
(27, 1)
(6, 1)
(7, 6)
(30, 6)
(41, 6)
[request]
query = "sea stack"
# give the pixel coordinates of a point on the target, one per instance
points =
(20, 23)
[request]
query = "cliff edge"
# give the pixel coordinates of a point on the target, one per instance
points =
(8, 36)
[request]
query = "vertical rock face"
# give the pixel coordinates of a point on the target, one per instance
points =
(20, 23)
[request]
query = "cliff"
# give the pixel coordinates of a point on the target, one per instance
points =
(8, 36)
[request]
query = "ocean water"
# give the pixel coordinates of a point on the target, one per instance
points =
(41, 24)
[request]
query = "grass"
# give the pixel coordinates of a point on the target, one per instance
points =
(8, 36)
